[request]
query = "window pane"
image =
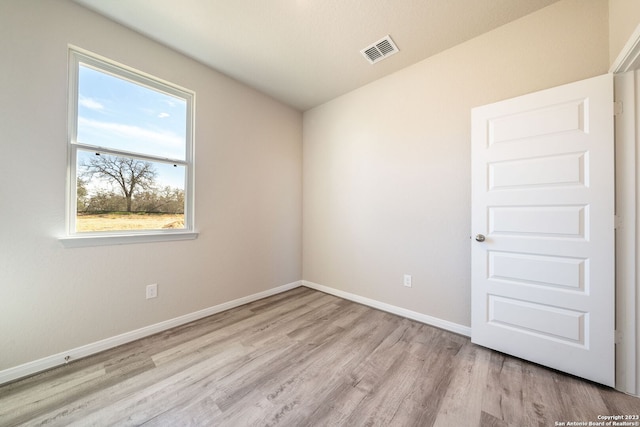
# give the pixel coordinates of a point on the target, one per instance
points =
(118, 114)
(126, 193)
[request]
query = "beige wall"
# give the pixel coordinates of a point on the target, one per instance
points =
(248, 193)
(624, 18)
(386, 176)
(386, 167)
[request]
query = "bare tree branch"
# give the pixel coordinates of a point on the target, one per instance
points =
(128, 174)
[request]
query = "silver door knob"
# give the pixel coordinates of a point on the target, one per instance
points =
(479, 238)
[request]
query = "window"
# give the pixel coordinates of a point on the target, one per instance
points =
(130, 152)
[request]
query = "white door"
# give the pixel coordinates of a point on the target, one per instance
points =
(543, 200)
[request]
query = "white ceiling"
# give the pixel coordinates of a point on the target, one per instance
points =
(307, 52)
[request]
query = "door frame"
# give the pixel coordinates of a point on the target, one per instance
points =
(627, 138)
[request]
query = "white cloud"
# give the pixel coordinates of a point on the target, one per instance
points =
(126, 134)
(163, 115)
(90, 103)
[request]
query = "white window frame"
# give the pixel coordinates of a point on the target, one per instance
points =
(73, 238)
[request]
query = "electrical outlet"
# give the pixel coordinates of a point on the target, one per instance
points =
(407, 280)
(152, 291)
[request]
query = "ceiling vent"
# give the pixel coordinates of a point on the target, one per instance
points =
(380, 50)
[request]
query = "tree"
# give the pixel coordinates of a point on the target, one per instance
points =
(105, 201)
(81, 194)
(127, 174)
(162, 200)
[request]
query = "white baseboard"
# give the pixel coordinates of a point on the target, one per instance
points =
(59, 359)
(413, 315)
(49, 362)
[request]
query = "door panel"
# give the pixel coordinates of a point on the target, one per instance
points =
(565, 221)
(542, 171)
(553, 271)
(543, 198)
(537, 319)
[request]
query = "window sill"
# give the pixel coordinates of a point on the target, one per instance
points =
(124, 239)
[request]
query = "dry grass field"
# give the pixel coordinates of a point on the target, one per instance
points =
(124, 221)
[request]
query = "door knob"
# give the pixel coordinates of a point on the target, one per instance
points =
(479, 238)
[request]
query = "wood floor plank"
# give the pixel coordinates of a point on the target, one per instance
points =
(381, 406)
(488, 420)
(305, 358)
(325, 374)
(462, 404)
(616, 404)
(338, 393)
(144, 404)
(502, 398)
(321, 362)
(23, 405)
(429, 390)
(581, 399)
(541, 396)
(198, 413)
(129, 397)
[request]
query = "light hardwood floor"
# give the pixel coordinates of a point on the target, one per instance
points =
(305, 358)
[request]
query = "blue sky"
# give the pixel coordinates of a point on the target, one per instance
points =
(115, 113)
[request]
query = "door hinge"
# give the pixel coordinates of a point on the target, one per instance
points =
(617, 108)
(617, 222)
(617, 337)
